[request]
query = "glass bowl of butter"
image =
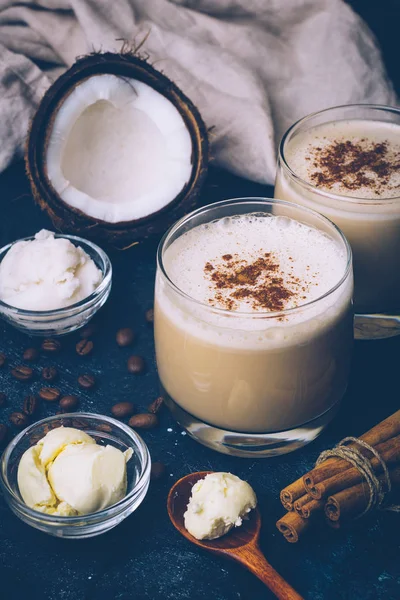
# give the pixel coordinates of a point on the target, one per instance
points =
(52, 284)
(75, 475)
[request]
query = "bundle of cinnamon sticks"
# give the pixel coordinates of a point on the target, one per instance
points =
(335, 492)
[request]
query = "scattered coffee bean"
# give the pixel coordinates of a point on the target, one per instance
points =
(123, 409)
(19, 419)
(49, 373)
(51, 346)
(68, 403)
(49, 427)
(3, 433)
(88, 331)
(80, 424)
(104, 427)
(31, 404)
(86, 381)
(155, 406)
(157, 470)
(125, 337)
(149, 316)
(3, 399)
(3, 359)
(84, 347)
(49, 394)
(22, 373)
(31, 354)
(35, 438)
(143, 421)
(136, 365)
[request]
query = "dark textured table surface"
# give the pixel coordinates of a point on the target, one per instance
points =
(144, 557)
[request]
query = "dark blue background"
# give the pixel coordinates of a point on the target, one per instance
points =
(144, 557)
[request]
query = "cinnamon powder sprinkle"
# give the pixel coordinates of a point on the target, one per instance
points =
(354, 165)
(259, 282)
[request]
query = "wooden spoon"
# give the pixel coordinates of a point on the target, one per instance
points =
(240, 544)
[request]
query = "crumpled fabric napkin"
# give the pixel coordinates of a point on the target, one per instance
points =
(252, 67)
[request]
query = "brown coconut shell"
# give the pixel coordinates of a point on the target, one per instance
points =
(68, 219)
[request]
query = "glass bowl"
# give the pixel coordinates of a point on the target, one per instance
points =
(104, 430)
(70, 318)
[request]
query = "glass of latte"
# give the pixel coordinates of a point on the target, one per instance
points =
(344, 162)
(254, 324)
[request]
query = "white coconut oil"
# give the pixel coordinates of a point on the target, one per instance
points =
(46, 273)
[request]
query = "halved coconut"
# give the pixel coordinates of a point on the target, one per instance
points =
(116, 151)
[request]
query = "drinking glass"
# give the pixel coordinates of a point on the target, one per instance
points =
(253, 383)
(372, 226)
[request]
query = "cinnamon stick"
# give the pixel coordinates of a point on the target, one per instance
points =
(309, 508)
(389, 452)
(334, 524)
(292, 526)
(291, 493)
(351, 502)
(382, 432)
(297, 506)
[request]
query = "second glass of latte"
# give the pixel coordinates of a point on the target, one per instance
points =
(344, 162)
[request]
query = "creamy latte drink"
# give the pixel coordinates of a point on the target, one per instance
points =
(253, 316)
(345, 163)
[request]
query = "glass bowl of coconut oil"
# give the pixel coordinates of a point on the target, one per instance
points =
(56, 320)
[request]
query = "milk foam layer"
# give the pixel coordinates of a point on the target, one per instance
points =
(301, 251)
(358, 131)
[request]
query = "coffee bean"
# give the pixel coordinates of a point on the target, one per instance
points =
(49, 373)
(136, 365)
(123, 409)
(31, 404)
(125, 337)
(22, 373)
(3, 359)
(88, 331)
(143, 421)
(19, 419)
(80, 424)
(68, 403)
(157, 470)
(3, 399)
(155, 406)
(31, 354)
(50, 426)
(51, 346)
(86, 381)
(84, 347)
(3, 433)
(104, 427)
(149, 315)
(49, 394)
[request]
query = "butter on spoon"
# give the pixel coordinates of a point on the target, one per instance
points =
(241, 544)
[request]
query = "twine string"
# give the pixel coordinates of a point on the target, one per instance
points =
(377, 490)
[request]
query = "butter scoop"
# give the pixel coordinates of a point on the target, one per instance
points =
(32, 481)
(57, 439)
(218, 502)
(68, 474)
(89, 477)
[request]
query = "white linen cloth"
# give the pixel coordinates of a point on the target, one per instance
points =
(252, 67)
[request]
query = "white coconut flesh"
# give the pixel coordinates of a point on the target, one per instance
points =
(118, 150)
